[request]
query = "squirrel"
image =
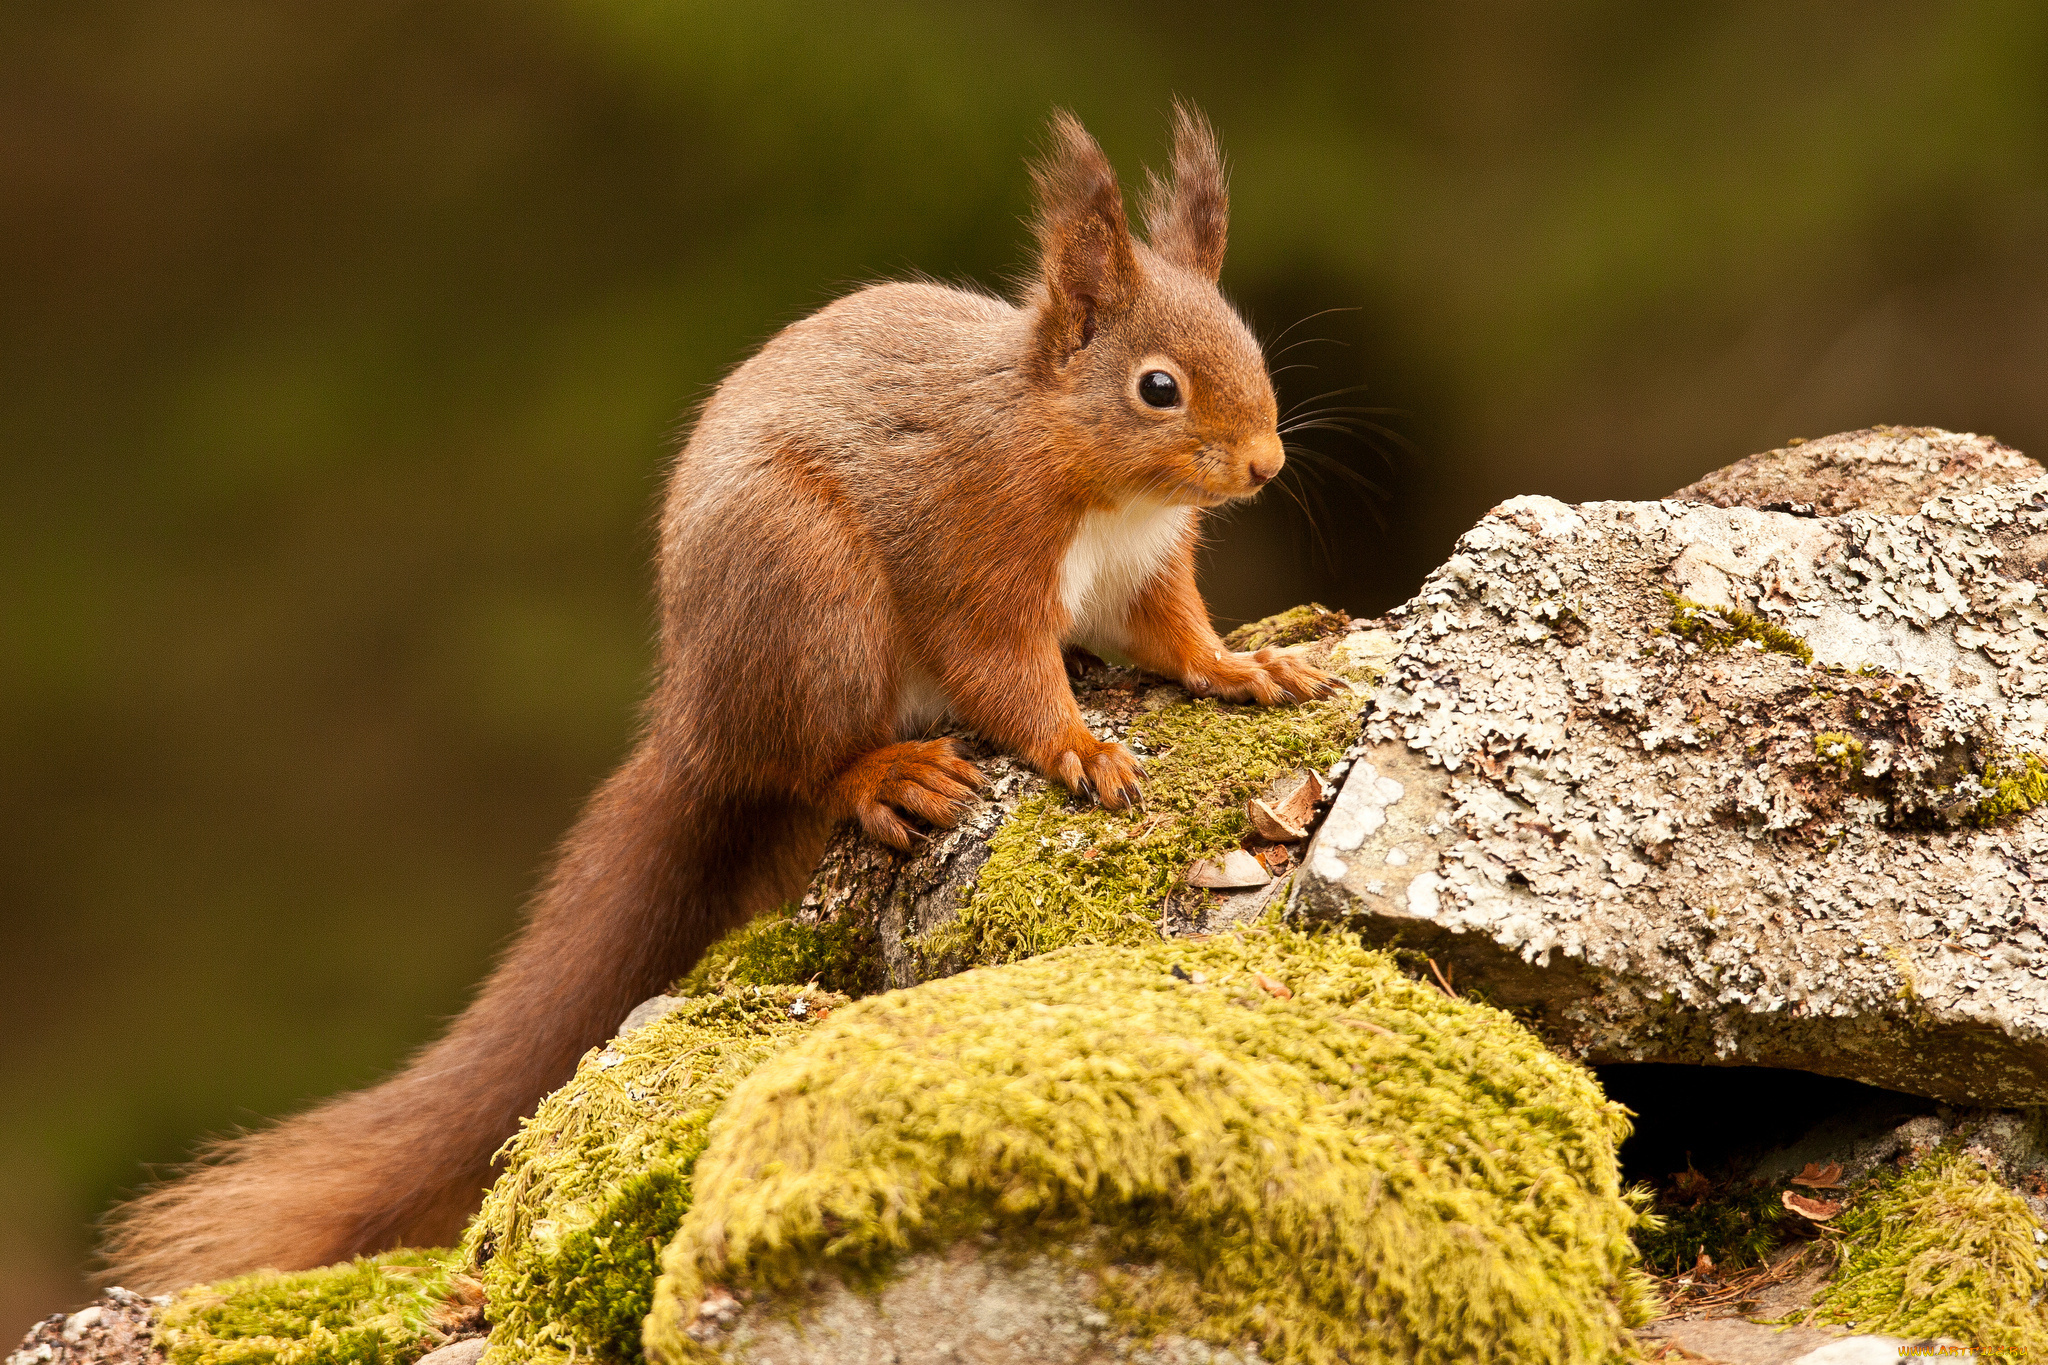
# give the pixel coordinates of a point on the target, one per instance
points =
(904, 506)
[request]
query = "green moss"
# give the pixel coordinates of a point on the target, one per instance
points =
(1844, 753)
(1295, 626)
(779, 949)
(1909, 987)
(1941, 1250)
(598, 1179)
(1064, 871)
(2014, 787)
(1714, 628)
(377, 1310)
(1365, 1171)
(1736, 1226)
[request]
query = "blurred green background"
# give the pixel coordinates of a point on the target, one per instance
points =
(344, 345)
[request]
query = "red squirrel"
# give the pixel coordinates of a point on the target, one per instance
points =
(905, 505)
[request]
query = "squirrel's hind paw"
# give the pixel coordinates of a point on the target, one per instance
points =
(927, 779)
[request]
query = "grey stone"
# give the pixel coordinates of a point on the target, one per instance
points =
(1859, 1140)
(962, 1304)
(1736, 1341)
(651, 1009)
(1650, 848)
(467, 1351)
(2007, 1143)
(116, 1329)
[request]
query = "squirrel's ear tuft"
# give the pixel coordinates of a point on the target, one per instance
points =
(1086, 264)
(1188, 217)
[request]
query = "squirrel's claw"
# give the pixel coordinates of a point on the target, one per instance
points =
(1106, 773)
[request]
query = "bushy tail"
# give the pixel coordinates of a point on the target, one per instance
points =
(649, 877)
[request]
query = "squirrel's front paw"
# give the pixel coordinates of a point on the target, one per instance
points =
(1267, 676)
(1108, 772)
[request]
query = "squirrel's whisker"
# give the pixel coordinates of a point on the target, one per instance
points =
(1310, 341)
(1347, 308)
(1319, 397)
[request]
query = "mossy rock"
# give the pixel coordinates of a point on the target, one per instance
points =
(1297, 1143)
(597, 1181)
(780, 949)
(376, 1310)
(1064, 872)
(1942, 1249)
(1295, 626)
(1038, 868)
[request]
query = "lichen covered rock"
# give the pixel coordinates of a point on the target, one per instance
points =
(1879, 469)
(596, 1182)
(1269, 1140)
(1705, 784)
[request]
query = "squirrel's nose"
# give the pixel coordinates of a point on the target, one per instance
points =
(1266, 463)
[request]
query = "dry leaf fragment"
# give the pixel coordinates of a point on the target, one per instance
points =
(1275, 858)
(1304, 798)
(1234, 869)
(1819, 1210)
(1704, 1265)
(1365, 1024)
(1272, 987)
(1272, 825)
(1819, 1177)
(1286, 820)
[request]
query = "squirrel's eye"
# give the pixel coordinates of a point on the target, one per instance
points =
(1157, 388)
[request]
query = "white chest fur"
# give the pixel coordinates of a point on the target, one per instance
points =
(1112, 557)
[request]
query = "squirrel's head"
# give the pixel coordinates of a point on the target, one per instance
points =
(1133, 342)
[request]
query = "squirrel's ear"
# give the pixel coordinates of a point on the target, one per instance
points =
(1188, 217)
(1086, 264)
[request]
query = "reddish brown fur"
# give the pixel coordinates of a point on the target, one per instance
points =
(884, 505)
